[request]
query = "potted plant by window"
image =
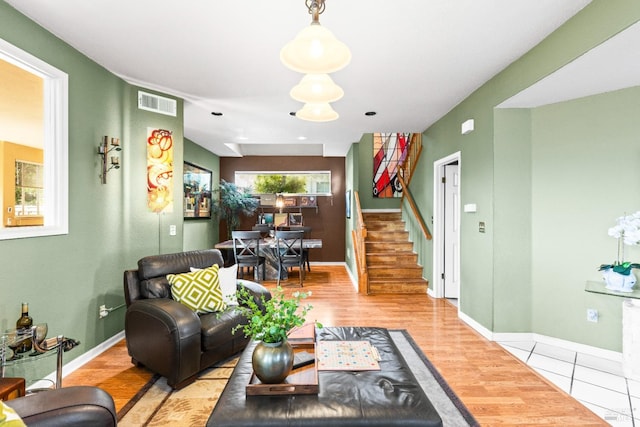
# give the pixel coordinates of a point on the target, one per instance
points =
(234, 201)
(270, 324)
(618, 275)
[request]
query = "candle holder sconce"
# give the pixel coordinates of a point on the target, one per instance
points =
(109, 162)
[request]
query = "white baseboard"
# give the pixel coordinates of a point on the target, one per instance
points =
(544, 339)
(354, 279)
(79, 361)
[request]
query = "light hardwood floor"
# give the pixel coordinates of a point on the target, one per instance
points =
(495, 386)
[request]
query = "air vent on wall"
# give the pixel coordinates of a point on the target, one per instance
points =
(157, 104)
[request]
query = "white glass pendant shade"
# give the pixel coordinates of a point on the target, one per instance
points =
(317, 113)
(315, 50)
(316, 89)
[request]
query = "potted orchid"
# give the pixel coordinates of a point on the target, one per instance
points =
(618, 275)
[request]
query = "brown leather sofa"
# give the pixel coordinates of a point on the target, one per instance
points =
(66, 407)
(167, 337)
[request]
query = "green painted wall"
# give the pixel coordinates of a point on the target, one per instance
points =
(201, 233)
(365, 177)
(512, 219)
(527, 272)
(66, 278)
(351, 174)
(585, 174)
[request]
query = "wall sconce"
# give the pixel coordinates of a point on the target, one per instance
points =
(279, 202)
(103, 150)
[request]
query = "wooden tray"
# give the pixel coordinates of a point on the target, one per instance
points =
(303, 380)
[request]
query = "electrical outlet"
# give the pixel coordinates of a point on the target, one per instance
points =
(172, 230)
(102, 311)
(592, 315)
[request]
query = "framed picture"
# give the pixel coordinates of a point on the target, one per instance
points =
(268, 200)
(290, 201)
(348, 203)
(308, 201)
(197, 192)
(295, 218)
(268, 218)
(280, 219)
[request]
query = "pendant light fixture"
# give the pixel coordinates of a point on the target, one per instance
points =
(317, 112)
(316, 52)
(316, 88)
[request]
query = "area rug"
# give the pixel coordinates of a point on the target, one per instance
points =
(157, 404)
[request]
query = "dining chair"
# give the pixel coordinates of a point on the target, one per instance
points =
(289, 247)
(307, 234)
(264, 229)
(246, 251)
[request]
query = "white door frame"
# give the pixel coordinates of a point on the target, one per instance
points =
(438, 222)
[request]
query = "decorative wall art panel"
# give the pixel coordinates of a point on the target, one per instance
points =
(160, 170)
(389, 152)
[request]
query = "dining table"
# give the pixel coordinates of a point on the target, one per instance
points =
(269, 250)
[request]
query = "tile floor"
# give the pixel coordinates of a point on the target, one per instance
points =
(596, 383)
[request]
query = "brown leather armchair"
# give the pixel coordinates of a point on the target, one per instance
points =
(66, 407)
(167, 337)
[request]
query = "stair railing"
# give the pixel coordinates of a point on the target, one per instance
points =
(405, 174)
(414, 209)
(359, 234)
(409, 163)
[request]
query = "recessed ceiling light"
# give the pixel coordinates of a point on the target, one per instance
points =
(370, 113)
(216, 113)
(242, 138)
(302, 138)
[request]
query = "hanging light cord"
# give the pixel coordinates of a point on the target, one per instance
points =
(316, 7)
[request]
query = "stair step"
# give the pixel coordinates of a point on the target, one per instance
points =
(381, 216)
(398, 258)
(387, 235)
(394, 272)
(386, 247)
(398, 287)
(385, 225)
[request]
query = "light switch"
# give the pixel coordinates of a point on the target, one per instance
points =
(470, 207)
(481, 226)
(172, 230)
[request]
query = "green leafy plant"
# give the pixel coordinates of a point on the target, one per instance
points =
(234, 201)
(272, 184)
(279, 316)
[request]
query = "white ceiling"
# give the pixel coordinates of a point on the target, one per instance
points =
(613, 65)
(413, 60)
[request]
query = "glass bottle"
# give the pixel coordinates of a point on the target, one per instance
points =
(23, 326)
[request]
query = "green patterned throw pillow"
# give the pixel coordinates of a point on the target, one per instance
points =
(199, 290)
(8, 417)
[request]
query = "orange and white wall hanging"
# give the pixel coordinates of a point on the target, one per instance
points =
(159, 170)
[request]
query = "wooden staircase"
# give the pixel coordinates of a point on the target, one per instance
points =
(392, 264)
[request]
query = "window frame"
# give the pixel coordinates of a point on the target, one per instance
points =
(55, 144)
(289, 173)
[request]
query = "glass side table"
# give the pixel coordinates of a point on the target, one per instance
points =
(600, 288)
(42, 348)
(630, 326)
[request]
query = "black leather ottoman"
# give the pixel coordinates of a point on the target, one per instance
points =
(389, 397)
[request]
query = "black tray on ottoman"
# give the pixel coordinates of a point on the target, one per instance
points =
(388, 397)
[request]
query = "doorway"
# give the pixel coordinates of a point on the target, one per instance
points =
(446, 225)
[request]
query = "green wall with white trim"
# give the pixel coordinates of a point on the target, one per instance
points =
(66, 278)
(545, 236)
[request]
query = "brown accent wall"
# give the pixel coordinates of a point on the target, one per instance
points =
(328, 223)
